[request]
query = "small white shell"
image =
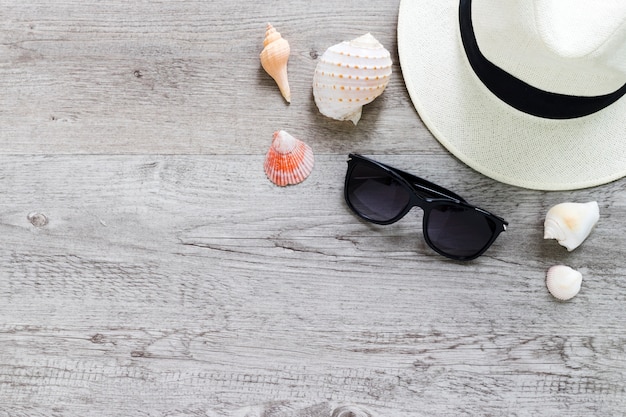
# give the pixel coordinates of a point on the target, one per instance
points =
(563, 282)
(571, 223)
(350, 75)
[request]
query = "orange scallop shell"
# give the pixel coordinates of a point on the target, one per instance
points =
(289, 160)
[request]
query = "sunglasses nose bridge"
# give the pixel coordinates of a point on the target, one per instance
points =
(417, 200)
(421, 203)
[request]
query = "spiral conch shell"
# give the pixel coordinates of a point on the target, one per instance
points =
(274, 59)
(571, 223)
(350, 75)
(563, 282)
(289, 160)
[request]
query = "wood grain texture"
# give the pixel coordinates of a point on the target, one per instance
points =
(149, 268)
(180, 77)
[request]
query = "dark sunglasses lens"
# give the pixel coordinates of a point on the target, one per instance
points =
(375, 194)
(459, 231)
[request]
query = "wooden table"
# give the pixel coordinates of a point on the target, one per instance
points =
(149, 268)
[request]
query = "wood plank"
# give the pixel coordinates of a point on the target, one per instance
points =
(148, 267)
(157, 277)
(182, 77)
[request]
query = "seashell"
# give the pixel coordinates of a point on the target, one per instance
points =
(563, 282)
(274, 59)
(289, 160)
(571, 223)
(350, 75)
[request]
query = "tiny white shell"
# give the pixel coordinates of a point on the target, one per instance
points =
(571, 223)
(350, 75)
(563, 282)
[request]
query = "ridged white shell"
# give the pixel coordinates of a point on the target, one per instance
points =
(563, 282)
(289, 160)
(350, 75)
(571, 223)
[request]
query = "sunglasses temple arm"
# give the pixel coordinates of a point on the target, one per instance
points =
(426, 187)
(436, 191)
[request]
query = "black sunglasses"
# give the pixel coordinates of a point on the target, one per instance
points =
(452, 227)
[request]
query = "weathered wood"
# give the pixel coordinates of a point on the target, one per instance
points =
(157, 283)
(148, 267)
(181, 77)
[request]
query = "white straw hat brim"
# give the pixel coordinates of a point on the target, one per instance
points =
(485, 133)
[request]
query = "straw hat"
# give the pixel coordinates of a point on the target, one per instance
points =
(528, 92)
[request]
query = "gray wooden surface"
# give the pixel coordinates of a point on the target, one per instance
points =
(149, 268)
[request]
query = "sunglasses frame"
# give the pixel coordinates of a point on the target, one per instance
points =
(425, 195)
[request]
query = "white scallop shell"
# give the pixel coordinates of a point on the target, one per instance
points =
(350, 75)
(563, 282)
(289, 160)
(571, 223)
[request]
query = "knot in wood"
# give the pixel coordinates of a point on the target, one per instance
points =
(352, 411)
(37, 219)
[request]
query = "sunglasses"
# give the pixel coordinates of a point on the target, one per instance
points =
(451, 226)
